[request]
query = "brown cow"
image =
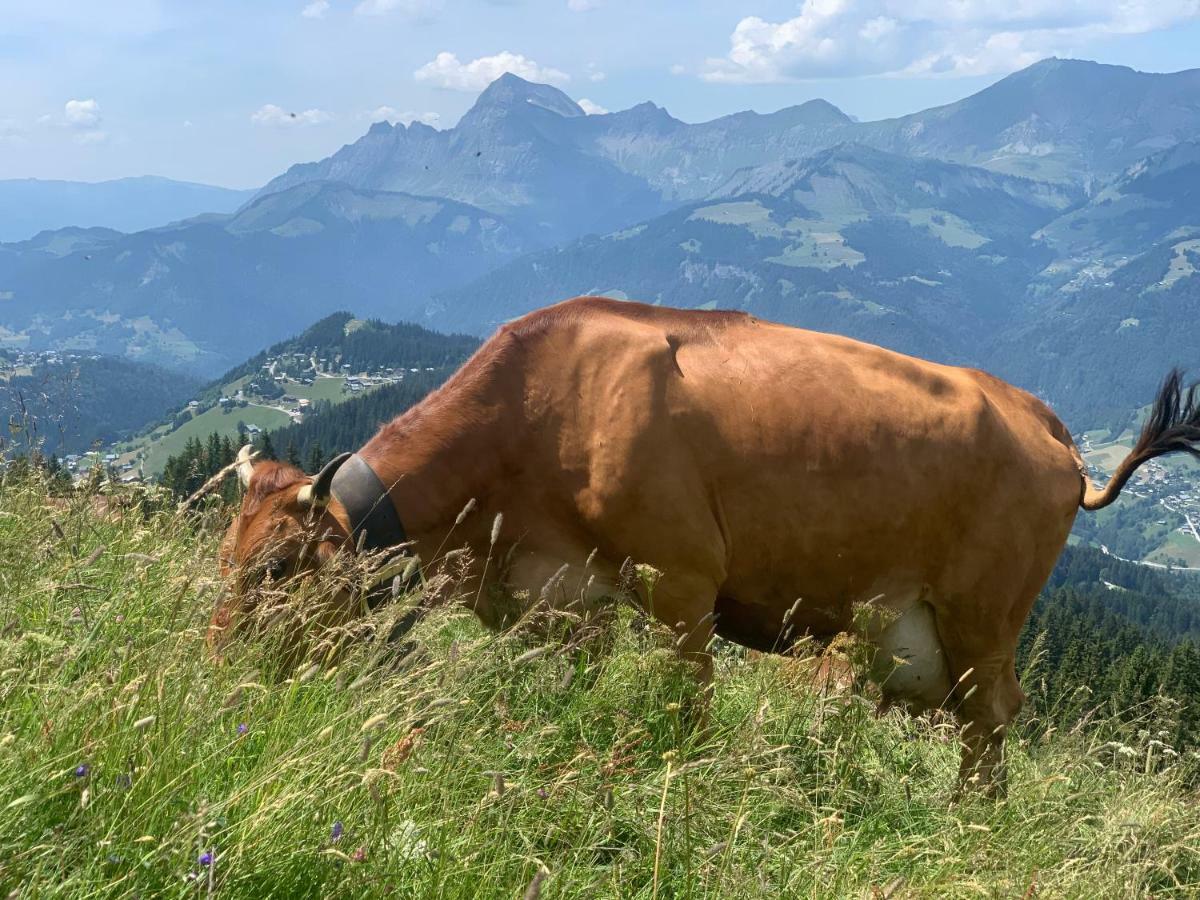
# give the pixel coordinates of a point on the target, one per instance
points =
(779, 478)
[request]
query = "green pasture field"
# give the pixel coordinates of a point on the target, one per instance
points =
(477, 765)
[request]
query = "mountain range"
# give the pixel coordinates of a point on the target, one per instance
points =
(1044, 227)
(32, 205)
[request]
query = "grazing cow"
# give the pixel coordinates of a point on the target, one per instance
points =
(785, 482)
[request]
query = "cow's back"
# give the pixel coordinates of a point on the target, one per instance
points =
(799, 464)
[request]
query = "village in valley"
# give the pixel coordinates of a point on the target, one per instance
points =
(15, 362)
(285, 389)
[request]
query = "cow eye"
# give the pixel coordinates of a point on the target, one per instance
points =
(277, 568)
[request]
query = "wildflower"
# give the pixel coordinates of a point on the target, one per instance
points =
(206, 858)
(399, 752)
(542, 793)
(359, 855)
(242, 728)
(336, 831)
(82, 770)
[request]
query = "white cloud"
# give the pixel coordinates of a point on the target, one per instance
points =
(407, 117)
(416, 9)
(678, 69)
(592, 109)
(316, 9)
(276, 116)
(582, 5)
(832, 38)
(81, 113)
(594, 74)
(446, 71)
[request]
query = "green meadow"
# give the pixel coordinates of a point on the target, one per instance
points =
(467, 764)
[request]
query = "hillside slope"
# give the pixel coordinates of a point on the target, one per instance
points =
(204, 294)
(131, 761)
(75, 405)
(921, 256)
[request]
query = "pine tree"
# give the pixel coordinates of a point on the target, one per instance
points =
(316, 458)
(292, 456)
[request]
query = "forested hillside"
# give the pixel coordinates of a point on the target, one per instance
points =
(1111, 638)
(73, 405)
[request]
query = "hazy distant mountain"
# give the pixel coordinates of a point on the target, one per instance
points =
(1057, 120)
(513, 154)
(1156, 200)
(204, 293)
(30, 205)
(920, 255)
(528, 152)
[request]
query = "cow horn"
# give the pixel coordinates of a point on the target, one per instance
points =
(317, 493)
(245, 465)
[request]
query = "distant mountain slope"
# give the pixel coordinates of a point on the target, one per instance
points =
(204, 293)
(1156, 200)
(69, 406)
(920, 255)
(1099, 346)
(30, 205)
(513, 154)
(1057, 120)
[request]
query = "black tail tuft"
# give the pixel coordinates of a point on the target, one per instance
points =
(1173, 426)
(1174, 422)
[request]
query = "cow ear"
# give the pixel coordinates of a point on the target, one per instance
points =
(316, 495)
(245, 465)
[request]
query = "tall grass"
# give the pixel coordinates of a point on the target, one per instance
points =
(481, 766)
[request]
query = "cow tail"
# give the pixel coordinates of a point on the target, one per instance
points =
(1173, 426)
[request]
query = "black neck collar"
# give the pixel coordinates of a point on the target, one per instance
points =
(373, 517)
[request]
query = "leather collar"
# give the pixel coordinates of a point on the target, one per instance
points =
(374, 525)
(373, 517)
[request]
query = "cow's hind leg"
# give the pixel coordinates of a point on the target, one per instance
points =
(986, 698)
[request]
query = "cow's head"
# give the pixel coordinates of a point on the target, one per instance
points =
(287, 528)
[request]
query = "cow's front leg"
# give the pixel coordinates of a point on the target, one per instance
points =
(685, 604)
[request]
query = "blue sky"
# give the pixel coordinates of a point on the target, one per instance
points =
(206, 90)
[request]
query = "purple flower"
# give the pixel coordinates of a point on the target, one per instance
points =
(242, 728)
(543, 793)
(81, 771)
(206, 858)
(336, 831)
